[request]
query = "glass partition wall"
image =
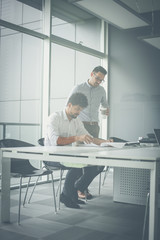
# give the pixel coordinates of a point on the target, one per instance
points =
(46, 47)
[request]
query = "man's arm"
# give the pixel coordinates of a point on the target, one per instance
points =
(83, 138)
(68, 140)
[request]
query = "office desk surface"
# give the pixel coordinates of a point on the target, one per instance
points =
(135, 157)
(85, 153)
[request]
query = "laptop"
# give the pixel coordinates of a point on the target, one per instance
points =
(157, 135)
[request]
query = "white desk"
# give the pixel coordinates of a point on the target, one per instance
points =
(143, 158)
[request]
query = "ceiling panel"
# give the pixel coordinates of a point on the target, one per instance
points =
(113, 13)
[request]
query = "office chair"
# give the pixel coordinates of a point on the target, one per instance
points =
(23, 168)
(57, 166)
(60, 167)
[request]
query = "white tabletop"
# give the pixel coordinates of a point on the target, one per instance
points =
(134, 157)
(137, 153)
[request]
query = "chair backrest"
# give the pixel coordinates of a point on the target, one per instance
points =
(41, 141)
(17, 166)
(47, 163)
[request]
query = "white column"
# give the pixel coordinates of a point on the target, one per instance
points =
(104, 44)
(47, 19)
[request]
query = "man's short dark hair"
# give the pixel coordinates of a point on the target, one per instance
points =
(78, 99)
(100, 69)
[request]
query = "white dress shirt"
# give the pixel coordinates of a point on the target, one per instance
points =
(60, 126)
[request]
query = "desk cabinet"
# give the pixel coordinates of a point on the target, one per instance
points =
(131, 185)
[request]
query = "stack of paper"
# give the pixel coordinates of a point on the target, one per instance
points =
(118, 144)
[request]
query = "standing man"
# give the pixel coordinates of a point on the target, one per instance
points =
(96, 96)
(65, 128)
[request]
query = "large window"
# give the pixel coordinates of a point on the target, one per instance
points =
(22, 58)
(28, 16)
(21, 76)
(71, 61)
(69, 67)
(33, 57)
(85, 32)
(74, 24)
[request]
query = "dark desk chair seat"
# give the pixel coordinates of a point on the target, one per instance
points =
(52, 166)
(22, 168)
(57, 166)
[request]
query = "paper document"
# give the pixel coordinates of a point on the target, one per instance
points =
(111, 144)
(118, 144)
(90, 145)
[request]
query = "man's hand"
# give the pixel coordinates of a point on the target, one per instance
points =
(84, 138)
(109, 140)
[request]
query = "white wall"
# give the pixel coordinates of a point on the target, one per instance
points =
(134, 86)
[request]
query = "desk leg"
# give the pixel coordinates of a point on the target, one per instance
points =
(153, 206)
(5, 188)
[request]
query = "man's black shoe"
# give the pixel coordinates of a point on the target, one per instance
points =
(71, 205)
(80, 201)
(68, 203)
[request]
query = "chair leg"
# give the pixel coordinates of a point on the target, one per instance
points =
(59, 187)
(33, 189)
(24, 201)
(60, 181)
(145, 216)
(105, 175)
(54, 195)
(85, 192)
(99, 189)
(19, 206)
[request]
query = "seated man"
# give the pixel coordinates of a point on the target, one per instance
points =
(65, 128)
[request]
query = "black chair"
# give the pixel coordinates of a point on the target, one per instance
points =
(52, 166)
(58, 166)
(22, 168)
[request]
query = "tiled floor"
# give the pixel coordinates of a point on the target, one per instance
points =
(99, 219)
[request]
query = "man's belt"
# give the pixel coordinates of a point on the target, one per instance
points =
(90, 123)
